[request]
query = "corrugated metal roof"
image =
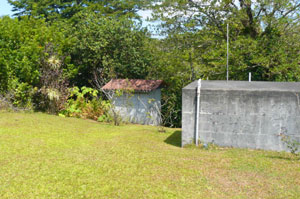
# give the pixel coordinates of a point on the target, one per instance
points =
(133, 84)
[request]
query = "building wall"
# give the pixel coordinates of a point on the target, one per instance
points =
(244, 118)
(140, 108)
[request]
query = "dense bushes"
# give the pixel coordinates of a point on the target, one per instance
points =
(22, 43)
(117, 47)
(105, 37)
(40, 61)
(85, 103)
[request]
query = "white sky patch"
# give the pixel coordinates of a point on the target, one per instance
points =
(145, 14)
(5, 8)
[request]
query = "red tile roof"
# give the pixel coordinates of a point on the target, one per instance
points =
(135, 84)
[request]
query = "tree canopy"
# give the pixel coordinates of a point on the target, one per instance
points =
(68, 8)
(263, 35)
(115, 46)
(92, 35)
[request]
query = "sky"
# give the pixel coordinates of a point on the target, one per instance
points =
(5, 8)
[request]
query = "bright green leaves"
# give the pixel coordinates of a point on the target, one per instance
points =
(22, 43)
(116, 46)
(85, 103)
(262, 37)
(67, 9)
(19, 49)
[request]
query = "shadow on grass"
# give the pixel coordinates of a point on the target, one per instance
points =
(174, 139)
(289, 158)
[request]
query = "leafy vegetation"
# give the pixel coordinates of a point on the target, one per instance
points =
(116, 46)
(262, 35)
(67, 9)
(292, 144)
(84, 103)
(44, 156)
(88, 36)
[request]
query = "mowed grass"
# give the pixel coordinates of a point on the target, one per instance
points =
(44, 156)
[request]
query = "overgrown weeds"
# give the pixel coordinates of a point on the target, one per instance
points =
(292, 144)
(85, 103)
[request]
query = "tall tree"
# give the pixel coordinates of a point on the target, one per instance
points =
(262, 35)
(115, 45)
(54, 9)
(253, 17)
(264, 40)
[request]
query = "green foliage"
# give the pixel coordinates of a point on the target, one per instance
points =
(67, 9)
(104, 118)
(22, 95)
(22, 43)
(263, 37)
(20, 50)
(114, 45)
(40, 52)
(172, 66)
(43, 55)
(84, 103)
(263, 40)
(103, 35)
(292, 144)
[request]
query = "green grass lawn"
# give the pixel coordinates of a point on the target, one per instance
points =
(44, 156)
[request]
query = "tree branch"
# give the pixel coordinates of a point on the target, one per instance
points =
(293, 9)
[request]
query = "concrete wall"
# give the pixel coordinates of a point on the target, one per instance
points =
(242, 114)
(140, 108)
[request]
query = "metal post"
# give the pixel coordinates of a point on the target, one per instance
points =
(197, 112)
(250, 77)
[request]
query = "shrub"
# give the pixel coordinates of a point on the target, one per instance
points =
(53, 93)
(22, 94)
(5, 102)
(19, 97)
(292, 144)
(84, 103)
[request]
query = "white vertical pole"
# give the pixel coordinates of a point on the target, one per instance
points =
(250, 77)
(197, 112)
(227, 73)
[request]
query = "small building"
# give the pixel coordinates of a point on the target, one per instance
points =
(242, 114)
(137, 101)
